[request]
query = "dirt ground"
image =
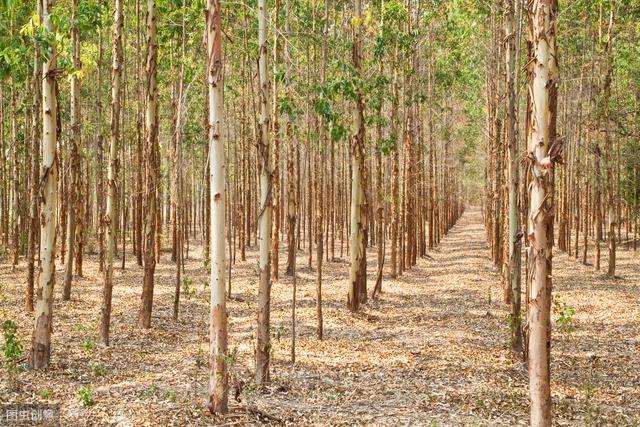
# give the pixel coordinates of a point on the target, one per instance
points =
(431, 351)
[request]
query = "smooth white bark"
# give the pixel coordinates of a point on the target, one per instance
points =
(218, 381)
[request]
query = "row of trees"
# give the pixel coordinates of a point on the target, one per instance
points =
(317, 127)
(266, 143)
(575, 121)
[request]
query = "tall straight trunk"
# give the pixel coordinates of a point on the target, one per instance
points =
(319, 188)
(544, 78)
(310, 172)
(4, 211)
(139, 143)
(358, 270)
(608, 149)
(173, 157)
(408, 181)
(112, 174)
(161, 202)
(121, 207)
(14, 208)
(177, 189)
(395, 169)
(515, 242)
(82, 195)
(578, 170)
(265, 212)
(35, 159)
(249, 180)
(597, 201)
(243, 187)
(218, 377)
(409, 152)
(636, 207)
(41, 339)
(292, 194)
(275, 173)
(318, 231)
(292, 187)
(151, 152)
(430, 106)
(75, 203)
(587, 198)
(100, 149)
(206, 220)
(491, 99)
(379, 184)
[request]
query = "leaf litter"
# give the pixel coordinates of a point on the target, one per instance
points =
(431, 350)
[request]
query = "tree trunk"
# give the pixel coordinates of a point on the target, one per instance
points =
(358, 270)
(41, 338)
(542, 16)
(100, 148)
(218, 378)
(139, 144)
(75, 202)
(608, 148)
(4, 211)
(515, 236)
(430, 106)
(151, 196)
(177, 187)
(35, 158)
(264, 215)
(395, 169)
(112, 174)
(275, 173)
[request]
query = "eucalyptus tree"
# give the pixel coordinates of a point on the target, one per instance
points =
(609, 148)
(218, 377)
(275, 146)
(74, 213)
(320, 177)
(292, 185)
(34, 173)
(542, 147)
(515, 236)
(40, 353)
(265, 207)
(112, 175)
(177, 181)
(358, 268)
(151, 167)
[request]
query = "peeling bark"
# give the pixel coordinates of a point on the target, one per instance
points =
(40, 353)
(542, 89)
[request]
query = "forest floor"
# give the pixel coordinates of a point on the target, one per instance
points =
(432, 350)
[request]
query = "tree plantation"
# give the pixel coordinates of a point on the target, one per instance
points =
(320, 212)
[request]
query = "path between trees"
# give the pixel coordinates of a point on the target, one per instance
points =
(432, 350)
